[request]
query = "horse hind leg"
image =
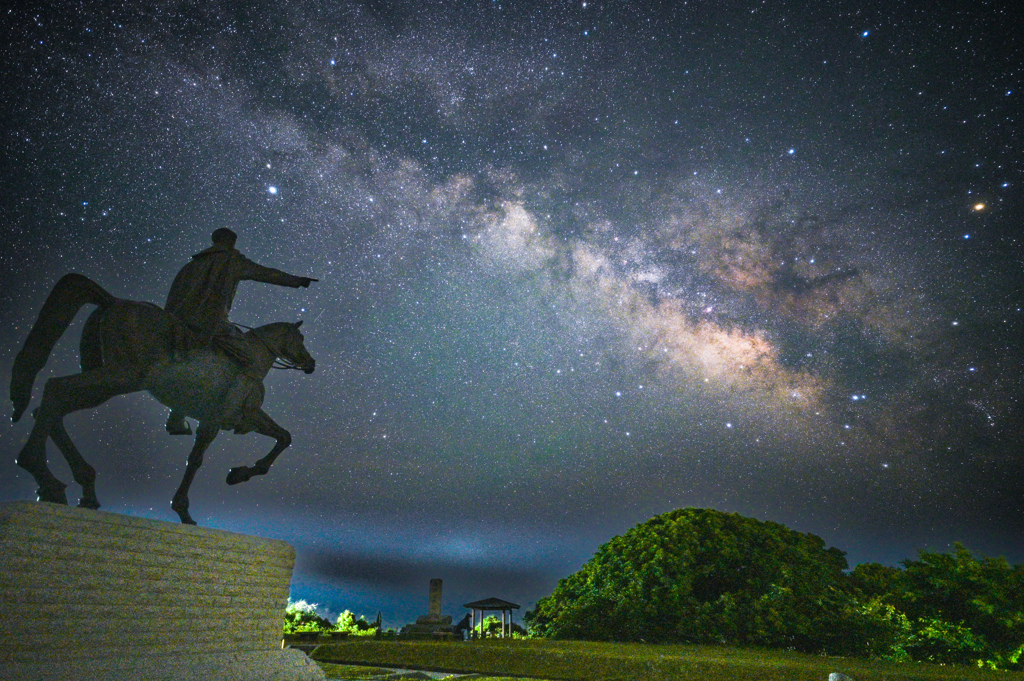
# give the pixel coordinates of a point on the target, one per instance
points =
(61, 396)
(264, 425)
(84, 474)
(179, 504)
(33, 459)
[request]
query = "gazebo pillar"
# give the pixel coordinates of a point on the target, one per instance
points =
(492, 604)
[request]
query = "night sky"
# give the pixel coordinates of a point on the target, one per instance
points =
(580, 263)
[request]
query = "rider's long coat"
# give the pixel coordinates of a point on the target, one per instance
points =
(202, 293)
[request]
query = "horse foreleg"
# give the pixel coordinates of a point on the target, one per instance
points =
(264, 425)
(84, 474)
(179, 504)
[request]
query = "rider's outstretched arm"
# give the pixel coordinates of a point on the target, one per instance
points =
(252, 271)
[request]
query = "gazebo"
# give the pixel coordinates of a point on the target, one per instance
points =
(491, 604)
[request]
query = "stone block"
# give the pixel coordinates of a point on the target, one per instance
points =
(93, 595)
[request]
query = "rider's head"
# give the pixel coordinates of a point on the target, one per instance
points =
(224, 237)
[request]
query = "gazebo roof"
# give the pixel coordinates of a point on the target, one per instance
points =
(491, 604)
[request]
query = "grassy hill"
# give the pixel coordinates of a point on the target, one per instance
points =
(584, 661)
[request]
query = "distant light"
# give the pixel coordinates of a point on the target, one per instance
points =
(791, 152)
(979, 206)
(865, 34)
(271, 189)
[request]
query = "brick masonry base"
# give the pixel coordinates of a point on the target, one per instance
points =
(95, 596)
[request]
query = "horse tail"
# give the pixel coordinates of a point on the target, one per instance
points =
(65, 300)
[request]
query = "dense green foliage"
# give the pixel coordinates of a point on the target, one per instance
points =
(702, 576)
(301, 616)
(491, 625)
(957, 608)
(354, 626)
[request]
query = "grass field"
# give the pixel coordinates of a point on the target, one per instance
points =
(582, 661)
(359, 673)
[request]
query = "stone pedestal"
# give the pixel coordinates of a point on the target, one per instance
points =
(91, 595)
(433, 624)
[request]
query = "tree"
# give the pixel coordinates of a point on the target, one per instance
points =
(964, 609)
(700, 575)
(944, 607)
(348, 623)
(301, 616)
(491, 625)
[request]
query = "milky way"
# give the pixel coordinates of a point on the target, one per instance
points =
(579, 263)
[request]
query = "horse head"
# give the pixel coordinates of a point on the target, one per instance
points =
(287, 342)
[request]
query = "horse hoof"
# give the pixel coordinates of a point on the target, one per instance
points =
(237, 475)
(88, 503)
(52, 496)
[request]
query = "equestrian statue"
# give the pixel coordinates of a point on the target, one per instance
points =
(187, 355)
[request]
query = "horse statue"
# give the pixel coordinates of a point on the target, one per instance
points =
(128, 346)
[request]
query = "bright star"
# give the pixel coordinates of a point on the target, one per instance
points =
(271, 189)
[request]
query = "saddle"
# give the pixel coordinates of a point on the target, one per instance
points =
(227, 341)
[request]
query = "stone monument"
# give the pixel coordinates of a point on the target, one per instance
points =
(91, 595)
(433, 624)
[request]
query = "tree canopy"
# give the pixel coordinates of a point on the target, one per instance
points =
(700, 575)
(703, 576)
